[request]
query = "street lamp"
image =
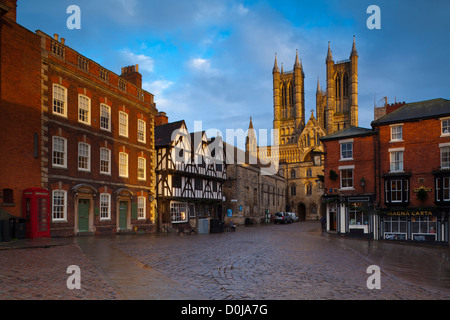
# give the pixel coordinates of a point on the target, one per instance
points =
(363, 183)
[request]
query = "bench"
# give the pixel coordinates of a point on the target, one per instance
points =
(229, 227)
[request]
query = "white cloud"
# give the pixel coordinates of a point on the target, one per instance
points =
(145, 63)
(157, 87)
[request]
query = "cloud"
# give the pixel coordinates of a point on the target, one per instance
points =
(146, 63)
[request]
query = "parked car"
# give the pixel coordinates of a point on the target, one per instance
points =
(293, 216)
(282, 217)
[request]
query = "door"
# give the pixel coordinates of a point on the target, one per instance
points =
(123, 214)
(301, 212)
(83, 215)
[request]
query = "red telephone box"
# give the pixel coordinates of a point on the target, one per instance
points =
(36, 211)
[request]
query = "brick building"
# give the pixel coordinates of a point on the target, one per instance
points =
(349, 181)
(97, 144)
(413, 171)
(392, 182)
(20, 107)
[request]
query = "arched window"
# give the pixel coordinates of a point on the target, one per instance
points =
(346, 91)
(308, 189)
(293, 190)
(292, 173)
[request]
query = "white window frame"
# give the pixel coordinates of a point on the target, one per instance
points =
(59, 100)
(123, 124)
(345, 154)
(445, 127)
(84, 109)
(86, 156)
(105, 109)
(105, 206)
(63, 152)
(141, 131)
(396, 165)
(142, 168)
(141, 208)
(103, 152)
(446, 188)
(445, 155)
(396, 191)
(63, 206)
(347, 168)
(123, 164)
(396, 136)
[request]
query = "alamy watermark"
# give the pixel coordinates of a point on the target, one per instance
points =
(374, 21)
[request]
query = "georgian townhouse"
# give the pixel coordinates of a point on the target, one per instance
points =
(413, 171)
(97, 144)
(349, 182)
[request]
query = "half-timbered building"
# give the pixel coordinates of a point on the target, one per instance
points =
(189, 176)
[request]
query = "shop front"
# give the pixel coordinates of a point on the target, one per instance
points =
(428, 225)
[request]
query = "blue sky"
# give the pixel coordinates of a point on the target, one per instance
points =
(211, 60)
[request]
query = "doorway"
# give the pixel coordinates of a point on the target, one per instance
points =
(83, 215)
(301, 212)
(123, 215)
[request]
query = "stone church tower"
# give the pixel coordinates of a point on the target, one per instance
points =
(337, 106)
(300, 150)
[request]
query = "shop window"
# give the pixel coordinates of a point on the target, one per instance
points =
(395, 228)
(178, 211)
(423, 226)
(357, 217)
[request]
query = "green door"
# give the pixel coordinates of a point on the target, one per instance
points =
(123, 212)
(83, 215)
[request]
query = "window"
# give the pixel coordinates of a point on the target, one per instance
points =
(293, 190)
(397, 191)
(59, 205)
(346, 178)
(59, 158)
(84, 109)
(84, 157)
(105, 206)
(445, 126)
(347, 151)
(309, 173)
(141, 131)
(122, 85)
(105, 161)
(198, 184)
(357, 217)
(394, 225)
(142, 169)
(176, 182)
(123, 124)
(105, 117)
(141, 208)
(397, 133)
(445, 157)
(178, 211)
(396, 161)
(308, 189)
(443, 189)
(123, 164)
(59, 100)
(423, 225)
(292, 173)
(8, 196)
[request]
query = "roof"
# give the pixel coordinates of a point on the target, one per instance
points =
(347, 133)
(416, 110)
(163, 133)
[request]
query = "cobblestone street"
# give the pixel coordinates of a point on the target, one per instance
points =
(275, 262)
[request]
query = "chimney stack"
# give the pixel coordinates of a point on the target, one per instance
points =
(161, 118)
(132, 75)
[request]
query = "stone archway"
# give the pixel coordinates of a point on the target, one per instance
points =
(301, 211)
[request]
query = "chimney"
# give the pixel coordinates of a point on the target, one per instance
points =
(8, 9)
(394, 106)
(131, 74)
(161, 118)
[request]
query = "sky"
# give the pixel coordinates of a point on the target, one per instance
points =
(212, 60)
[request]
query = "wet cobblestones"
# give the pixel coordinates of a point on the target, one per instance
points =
(276, 262)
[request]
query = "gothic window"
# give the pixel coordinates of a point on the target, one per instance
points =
(346, 91)
(283, 96)
(338, 86)
(291, 95)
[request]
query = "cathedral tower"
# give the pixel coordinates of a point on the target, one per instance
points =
(337, 107)
(289, 102)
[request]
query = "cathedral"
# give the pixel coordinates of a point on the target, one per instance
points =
(300, 152)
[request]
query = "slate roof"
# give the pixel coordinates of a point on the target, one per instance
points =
(348, 133)
(418, 110)
(163, 133)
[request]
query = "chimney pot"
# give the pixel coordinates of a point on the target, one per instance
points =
(56, 36)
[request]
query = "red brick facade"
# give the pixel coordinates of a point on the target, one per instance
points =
(20, 106)
(98, 144)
